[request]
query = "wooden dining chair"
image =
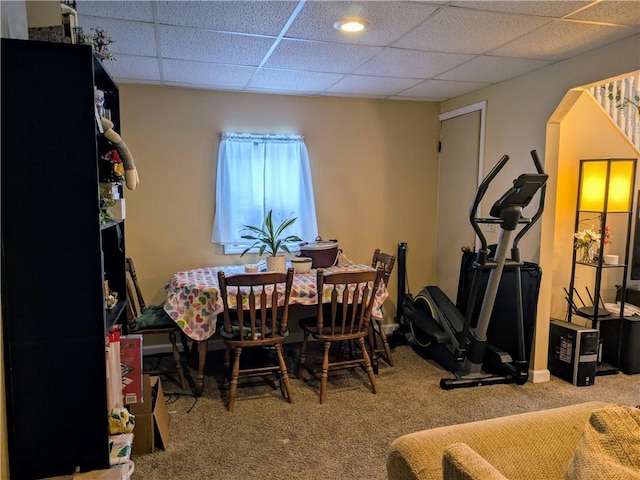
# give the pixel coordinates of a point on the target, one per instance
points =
(259, 319)
(343, 320)
(149, 320)
(386, 261)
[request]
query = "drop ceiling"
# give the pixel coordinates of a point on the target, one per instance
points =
(411, 50)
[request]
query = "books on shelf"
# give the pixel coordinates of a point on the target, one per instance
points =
(131, 368)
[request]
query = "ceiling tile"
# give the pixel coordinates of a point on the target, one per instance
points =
(210, 74)
(416, 99)
(140, 11)
(493, 69)
(128, 67)
(320, 56)
(549, 8)
(351, 95)
(441, 89)
(483, 31)
(396, 62)
(360, 84)
(276, 91)
(131, 38)
(621, 13)
(562, 39)
(259, 17)
(293, 81)
(387, 20)
(291, 46)
(195, 44)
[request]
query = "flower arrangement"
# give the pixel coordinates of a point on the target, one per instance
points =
(586, 239)
(606, 238)
(100, 41)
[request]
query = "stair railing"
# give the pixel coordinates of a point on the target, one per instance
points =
(620, 99)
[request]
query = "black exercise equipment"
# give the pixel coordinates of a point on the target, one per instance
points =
(456, 335)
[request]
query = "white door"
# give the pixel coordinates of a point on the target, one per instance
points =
(460, 138)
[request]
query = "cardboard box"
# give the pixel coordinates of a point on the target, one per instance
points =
(152, 419)
(131, 369)
(117, 472)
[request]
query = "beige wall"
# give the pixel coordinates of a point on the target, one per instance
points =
(43, 13)
(517, 114)
(374, 166)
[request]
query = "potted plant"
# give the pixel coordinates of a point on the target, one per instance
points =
(271, 240)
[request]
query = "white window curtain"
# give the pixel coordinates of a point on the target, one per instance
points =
(258, 173)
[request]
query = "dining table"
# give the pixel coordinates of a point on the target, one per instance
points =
(194, 301)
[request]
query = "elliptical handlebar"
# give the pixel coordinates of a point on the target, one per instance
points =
(538, 214)
(482, 190)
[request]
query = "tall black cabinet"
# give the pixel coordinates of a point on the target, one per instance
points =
(55, 258)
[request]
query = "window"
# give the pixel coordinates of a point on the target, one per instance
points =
(258, 173)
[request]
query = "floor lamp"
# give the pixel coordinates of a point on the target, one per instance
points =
(605, 193)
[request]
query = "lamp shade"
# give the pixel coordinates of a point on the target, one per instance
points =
(611, 179)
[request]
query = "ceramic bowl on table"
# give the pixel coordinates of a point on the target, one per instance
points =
(301, 264)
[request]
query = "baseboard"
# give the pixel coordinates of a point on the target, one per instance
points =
(162, 348)
(389, 328)
(217, 343)
(539, 376)
(157, 349)
(214, 344)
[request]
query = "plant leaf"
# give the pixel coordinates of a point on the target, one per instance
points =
(269, 238)
(248, 248)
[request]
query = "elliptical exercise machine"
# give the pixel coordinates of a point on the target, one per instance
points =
(449, 336)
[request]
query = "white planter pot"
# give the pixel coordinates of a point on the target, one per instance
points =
(277, 263)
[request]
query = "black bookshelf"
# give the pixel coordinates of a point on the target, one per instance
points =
(55, 256)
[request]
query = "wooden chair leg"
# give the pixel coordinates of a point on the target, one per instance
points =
(202, 357)
(283, 372)
(176, 359)
(185, 345)
(385, 343)
(226, 364)
(303, 350)
(325, 372)
(233, 387)
(367, 365)
(371, 340)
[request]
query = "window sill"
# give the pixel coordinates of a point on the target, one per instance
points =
(238, 248)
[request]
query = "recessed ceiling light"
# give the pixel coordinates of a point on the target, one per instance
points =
(352, 25)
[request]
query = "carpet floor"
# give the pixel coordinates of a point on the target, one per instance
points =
(349, 436)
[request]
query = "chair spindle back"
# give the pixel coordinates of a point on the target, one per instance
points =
(352, 298)
(259, 306)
